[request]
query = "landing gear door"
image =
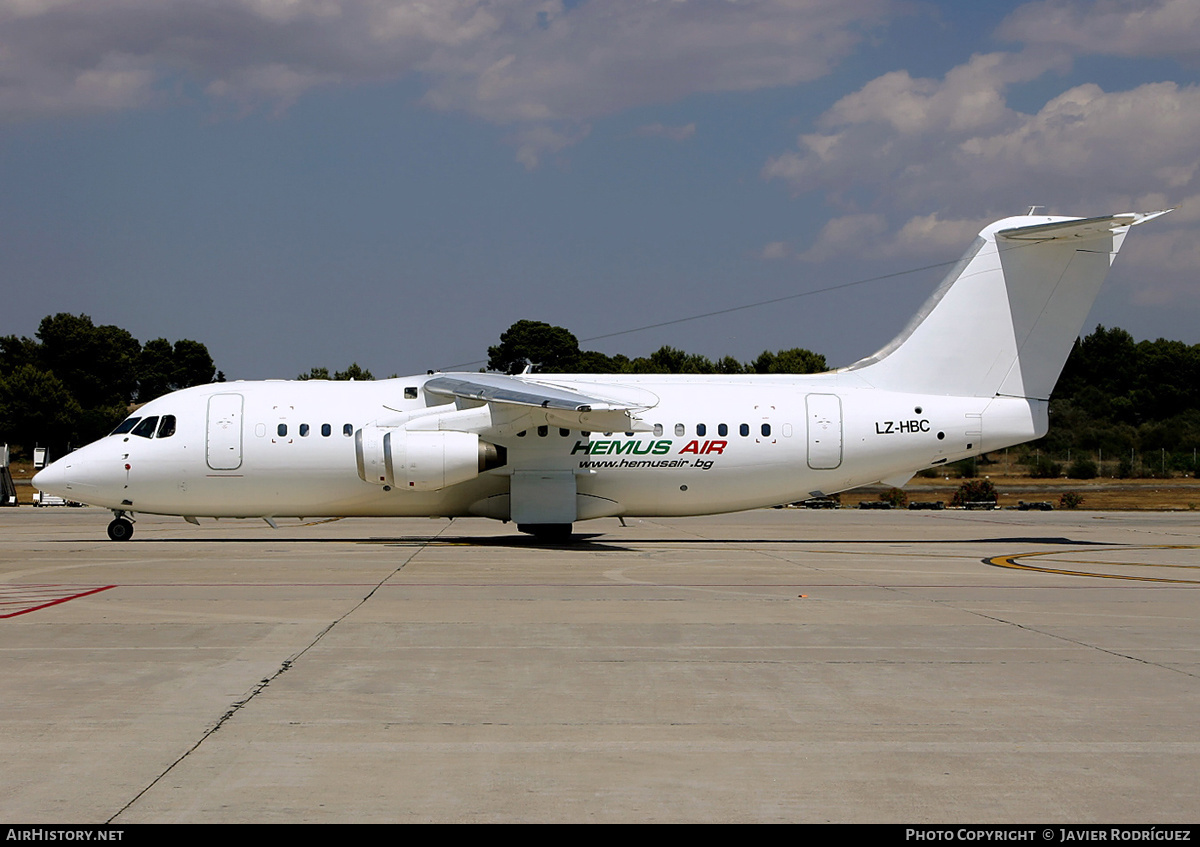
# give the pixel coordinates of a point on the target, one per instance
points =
(224, 442)
(824, 431)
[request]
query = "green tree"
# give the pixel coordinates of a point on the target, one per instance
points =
(155, 369)
(15, 352)
(594, 362)
(974, 491)
(797, 360)
(97, 364)
(1082, 468)
(192, 364)
(37, 408)
(730, 365)
(551, 349)
(672, 360)
(92, 373)
(355, 372)
(163, 367)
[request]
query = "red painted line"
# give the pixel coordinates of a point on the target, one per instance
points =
(56, 601)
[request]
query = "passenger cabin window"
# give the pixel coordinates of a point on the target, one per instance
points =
(167, 428)
(303, 430)
(744, 429)
(126, 425)
(282, 430)
(766, 429)
(347, 430)
(326, 430)
(722, 430)
(146, 428)
(701, 430)
(543, 431)
(679, 429)
(658, 430)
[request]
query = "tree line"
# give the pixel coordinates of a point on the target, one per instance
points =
(1122, 401)
(74, 381)
(553, 349)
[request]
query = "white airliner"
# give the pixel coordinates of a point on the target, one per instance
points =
(972, 372)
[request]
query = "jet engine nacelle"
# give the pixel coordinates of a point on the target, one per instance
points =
(422, 461)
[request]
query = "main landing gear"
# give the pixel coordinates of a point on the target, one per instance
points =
(121, 529)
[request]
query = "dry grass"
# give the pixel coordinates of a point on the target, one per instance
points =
(1110, 494)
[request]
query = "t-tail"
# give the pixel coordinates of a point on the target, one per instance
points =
(1003, 321)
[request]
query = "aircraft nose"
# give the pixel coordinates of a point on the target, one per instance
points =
(53, 478)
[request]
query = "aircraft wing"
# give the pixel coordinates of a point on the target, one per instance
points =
(556, 405)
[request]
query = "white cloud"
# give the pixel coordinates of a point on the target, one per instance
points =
(903, 131)
(957, 153)
(937, 158)
(970, 97)
(601, 57)
(931, 233)
(775, 250)
(1160, 28)
(869, 236)
(847, 235)
(511, 62)
(534, 142)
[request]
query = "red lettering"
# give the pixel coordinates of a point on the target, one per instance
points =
(692, 447)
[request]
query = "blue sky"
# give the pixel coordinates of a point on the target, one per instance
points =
(302, 183)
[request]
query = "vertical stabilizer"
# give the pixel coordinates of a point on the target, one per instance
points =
(1004, 319)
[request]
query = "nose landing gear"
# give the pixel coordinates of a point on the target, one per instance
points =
(121, 528)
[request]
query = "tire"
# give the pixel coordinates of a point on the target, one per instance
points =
(120, 530)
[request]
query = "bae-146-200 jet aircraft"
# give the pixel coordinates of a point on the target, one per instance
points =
(972, 372)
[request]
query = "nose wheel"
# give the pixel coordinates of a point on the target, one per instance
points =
(121, 529)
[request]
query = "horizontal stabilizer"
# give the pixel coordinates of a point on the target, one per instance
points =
(1081, 228)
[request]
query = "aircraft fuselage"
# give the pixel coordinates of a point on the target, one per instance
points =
(717, 444)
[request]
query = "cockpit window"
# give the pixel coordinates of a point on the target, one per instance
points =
(126, 425)
(146, 428)
(167, 428)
